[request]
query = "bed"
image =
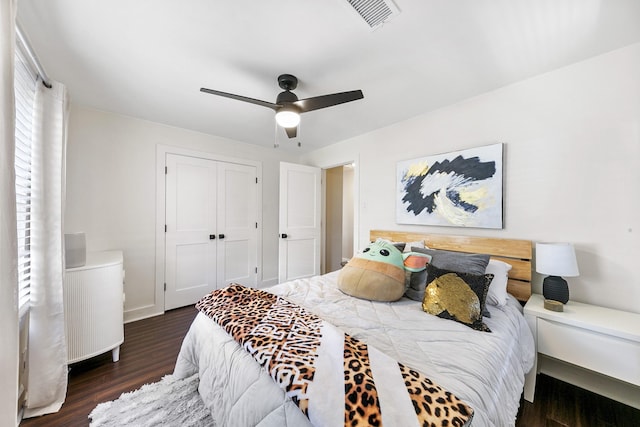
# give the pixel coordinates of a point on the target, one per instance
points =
(484, 370)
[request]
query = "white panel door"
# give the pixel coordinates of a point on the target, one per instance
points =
(190, 257)
(300, 228)
(237, 225)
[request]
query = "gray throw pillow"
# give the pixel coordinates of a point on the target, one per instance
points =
(416, 285)
(445, 260)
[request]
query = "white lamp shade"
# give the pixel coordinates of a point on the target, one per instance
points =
(287, 118)
(556, 259)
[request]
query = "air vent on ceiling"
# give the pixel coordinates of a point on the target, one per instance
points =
(375, 12)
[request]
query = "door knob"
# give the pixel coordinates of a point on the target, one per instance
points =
(284, 235)
(220, 236)
(212, 236)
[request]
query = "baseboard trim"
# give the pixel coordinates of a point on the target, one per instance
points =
(142, 313)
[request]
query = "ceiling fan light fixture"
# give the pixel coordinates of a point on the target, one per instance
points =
(287, 118)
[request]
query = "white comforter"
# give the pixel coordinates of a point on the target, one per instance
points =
(486, 370)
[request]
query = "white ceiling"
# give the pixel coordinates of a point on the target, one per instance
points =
(149, 58)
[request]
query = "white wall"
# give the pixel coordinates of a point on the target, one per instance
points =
(111, 190)
(572, 167)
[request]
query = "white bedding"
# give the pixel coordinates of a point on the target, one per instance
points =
(486, 370)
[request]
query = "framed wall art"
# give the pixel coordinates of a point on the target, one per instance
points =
(459, 189)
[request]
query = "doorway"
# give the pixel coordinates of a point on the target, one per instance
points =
(339, 216)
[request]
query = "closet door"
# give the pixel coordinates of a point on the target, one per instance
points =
(211, 236)
(191, 234)
(237, 225)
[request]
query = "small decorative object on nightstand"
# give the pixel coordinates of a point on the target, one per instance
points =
(556, 259)
(553, 305)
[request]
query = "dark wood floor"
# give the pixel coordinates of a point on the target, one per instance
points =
(558, 404)
(151, 346)
(148, 353)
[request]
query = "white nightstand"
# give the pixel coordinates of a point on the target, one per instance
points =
(593, 347)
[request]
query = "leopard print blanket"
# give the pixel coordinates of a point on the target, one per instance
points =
(334, 378)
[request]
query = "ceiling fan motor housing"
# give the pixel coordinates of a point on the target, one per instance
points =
(286, 97)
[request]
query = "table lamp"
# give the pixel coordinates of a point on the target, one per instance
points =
(556, 260)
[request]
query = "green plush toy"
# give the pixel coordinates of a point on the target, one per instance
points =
(378, 273)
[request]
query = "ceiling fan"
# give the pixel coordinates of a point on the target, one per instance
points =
(288, 107)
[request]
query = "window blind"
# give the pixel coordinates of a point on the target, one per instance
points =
(25, 86)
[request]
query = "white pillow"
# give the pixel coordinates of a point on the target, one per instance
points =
(497, 294)
(419, 244)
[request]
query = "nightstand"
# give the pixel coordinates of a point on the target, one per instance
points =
(593, 347)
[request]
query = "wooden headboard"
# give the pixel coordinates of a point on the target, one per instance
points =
(518, 253)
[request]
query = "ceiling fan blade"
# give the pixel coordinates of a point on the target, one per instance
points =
(292, 132)
(324, 101)
(241, 98)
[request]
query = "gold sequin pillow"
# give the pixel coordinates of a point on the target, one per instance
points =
(457, 296)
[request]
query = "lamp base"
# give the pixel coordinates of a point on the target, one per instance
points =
(555, 288)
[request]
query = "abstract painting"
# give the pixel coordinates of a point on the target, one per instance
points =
(460, 189)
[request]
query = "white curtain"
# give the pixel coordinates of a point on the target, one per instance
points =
(47, 344)
(8, 234)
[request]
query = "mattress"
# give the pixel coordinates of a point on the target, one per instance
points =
(485, 370)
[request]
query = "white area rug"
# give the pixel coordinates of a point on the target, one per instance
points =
(169, 402)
